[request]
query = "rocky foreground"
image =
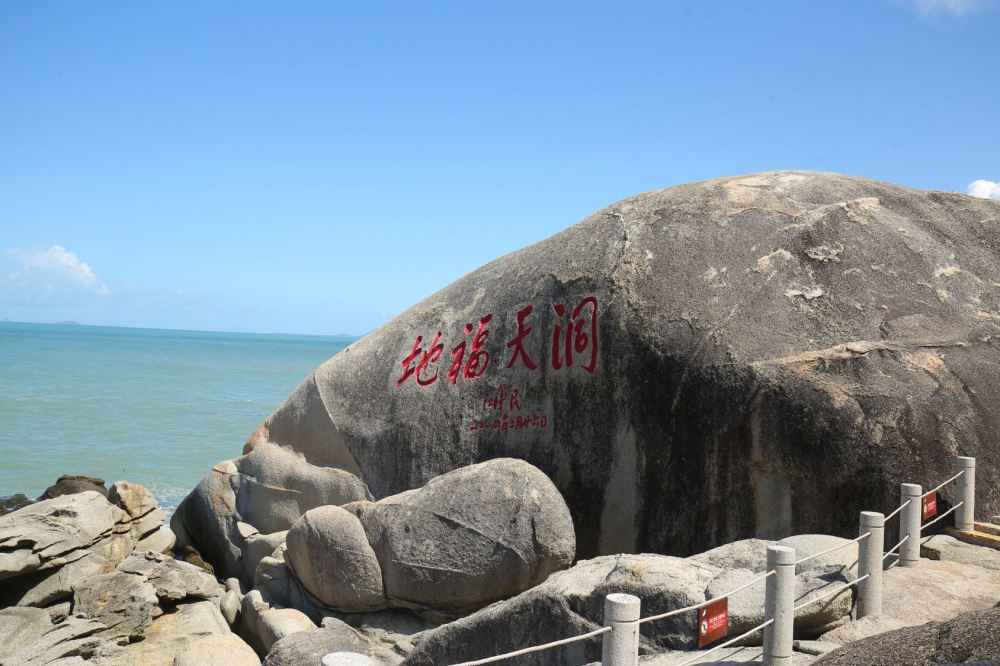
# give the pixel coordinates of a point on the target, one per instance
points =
(485, 557)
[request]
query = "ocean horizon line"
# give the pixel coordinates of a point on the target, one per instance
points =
(338, 336)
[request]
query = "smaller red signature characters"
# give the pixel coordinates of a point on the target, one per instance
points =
(501, 400)
(580, 336)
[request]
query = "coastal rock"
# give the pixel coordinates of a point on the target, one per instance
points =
(123, 603)
(969, 638)
(572, 602)
(67, 484)
(308, 647)
(160, 541)
(750, 554)
(329, 552)
(167, 637)
(222, 649)
(172, 580)
(262, 626)
(31, 639)
(268, 489)
(469, 537)
(145, 514)
(229, 606)
(843, 561)
(12, 503)
(258, 546)
(45, 587)
(760, 355)
(54, 532)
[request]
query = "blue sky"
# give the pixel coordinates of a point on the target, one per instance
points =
(317, 167)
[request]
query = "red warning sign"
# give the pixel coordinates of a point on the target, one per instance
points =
(929, 506)
(713, 621)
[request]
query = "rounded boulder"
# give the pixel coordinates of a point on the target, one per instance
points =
(329, 553)
(472, 536)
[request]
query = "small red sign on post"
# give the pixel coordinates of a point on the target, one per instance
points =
(929, 507)
(713, 622)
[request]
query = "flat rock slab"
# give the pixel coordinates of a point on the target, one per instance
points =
(948, 548)
(937, 591)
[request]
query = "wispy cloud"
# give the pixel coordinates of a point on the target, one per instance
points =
(948, 7)
(985, 189)
(51, 273)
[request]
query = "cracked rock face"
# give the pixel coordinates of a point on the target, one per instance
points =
(752, 356)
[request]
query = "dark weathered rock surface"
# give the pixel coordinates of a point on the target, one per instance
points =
(760, 356)
(12, 503)
(968, 638)
(67, 484)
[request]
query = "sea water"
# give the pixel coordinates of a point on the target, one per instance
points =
(151, 406)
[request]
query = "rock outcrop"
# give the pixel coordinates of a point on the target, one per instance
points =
(330, 554)
(758, 356)
(264, 491)
(571, 602)
(970, 638)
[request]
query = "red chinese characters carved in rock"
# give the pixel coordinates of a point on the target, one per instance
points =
(580, 337)
(575, 341)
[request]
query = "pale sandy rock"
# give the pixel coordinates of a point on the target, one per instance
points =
(229, 606)
(125, 604)
(221, 649)
(172, 579)
(167, 637)
(51, 533)
(161, 540)
(843, 560)
(949, 549)
(329, 552)
(258, 546)
(145, 514)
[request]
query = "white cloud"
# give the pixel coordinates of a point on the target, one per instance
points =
(984, 189)
(953, 7)
(52, 272)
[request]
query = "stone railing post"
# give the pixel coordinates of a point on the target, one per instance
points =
(909, 524)
(779, 605)
(621, 644)
(870, 563)
(965, 515)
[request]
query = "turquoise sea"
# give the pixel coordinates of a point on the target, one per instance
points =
(156, 407)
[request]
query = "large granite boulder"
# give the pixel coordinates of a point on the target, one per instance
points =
(263, 491)
(469, 537)
(759, 356)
